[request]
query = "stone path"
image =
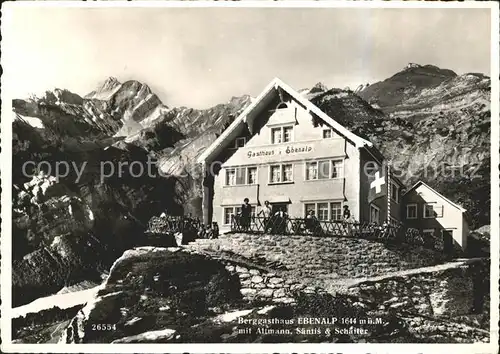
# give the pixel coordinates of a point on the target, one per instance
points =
(431, 269)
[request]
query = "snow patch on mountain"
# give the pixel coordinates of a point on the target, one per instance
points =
(33, 121)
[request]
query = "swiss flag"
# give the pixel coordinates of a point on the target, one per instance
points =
(377, 179)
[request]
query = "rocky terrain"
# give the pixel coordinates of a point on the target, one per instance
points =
(159, 295)
(437, 128)
(177, 296)
(116, 123)
(70, 229)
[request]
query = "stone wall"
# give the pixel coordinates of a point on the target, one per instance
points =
(259, 284)
(427, 304)
(445, 291)
(320, 261)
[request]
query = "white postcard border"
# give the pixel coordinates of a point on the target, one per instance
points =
(6, 196)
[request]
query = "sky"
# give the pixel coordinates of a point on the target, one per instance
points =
(199, 57)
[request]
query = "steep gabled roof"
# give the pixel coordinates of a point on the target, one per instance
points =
(419, 183)
(268, 90)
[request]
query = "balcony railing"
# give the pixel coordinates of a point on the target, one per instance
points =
(326, 228)
(172, 224)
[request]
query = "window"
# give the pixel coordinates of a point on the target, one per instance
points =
(238, 211)
(281, 173)
(231, 177)
(287, 134)
(336, 211)
(394, 192)
(323, 169)
(411, 211)
(276, 135)
(429, 211)
(324, 210)
(241, 176)
(428, 232)
(281, 134)
(327, 133)
(374, 214)
(229, 212)
(287, 173)
(240, 142)
(311, 171)
(309, 207)
(337, 168)
(275, 174)
(252, 175)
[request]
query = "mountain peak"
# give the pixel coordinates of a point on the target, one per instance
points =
(110, 82)
(105, 89)
(427, 69)
(319, 87)
(408, 82)
(412, 65)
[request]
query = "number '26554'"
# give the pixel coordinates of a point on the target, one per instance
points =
(103, 327)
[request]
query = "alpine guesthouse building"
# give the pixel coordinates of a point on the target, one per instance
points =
(284, 149)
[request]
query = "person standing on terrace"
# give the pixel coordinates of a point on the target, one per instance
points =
(266, 212)
(246, 212)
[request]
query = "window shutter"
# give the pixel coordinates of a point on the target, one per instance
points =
(240, 176)
(440, 211)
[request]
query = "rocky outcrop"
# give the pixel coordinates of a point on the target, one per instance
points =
(199, 129)
(67, 115)
(437, 129)
(52, 239)
(68, 228)
(448, 290)
(149, 289)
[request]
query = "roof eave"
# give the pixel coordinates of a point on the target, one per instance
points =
(462, 209)
(241, 118)
(276, 82)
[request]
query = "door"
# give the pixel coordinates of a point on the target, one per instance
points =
(278, 225)
(279, 206)
(448, 241)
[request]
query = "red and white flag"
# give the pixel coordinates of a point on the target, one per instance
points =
(378, 183)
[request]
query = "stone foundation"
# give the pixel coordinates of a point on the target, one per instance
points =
(258, 284)
(319, 261)
(449, 290)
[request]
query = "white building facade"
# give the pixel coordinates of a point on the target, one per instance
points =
(285, 150)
